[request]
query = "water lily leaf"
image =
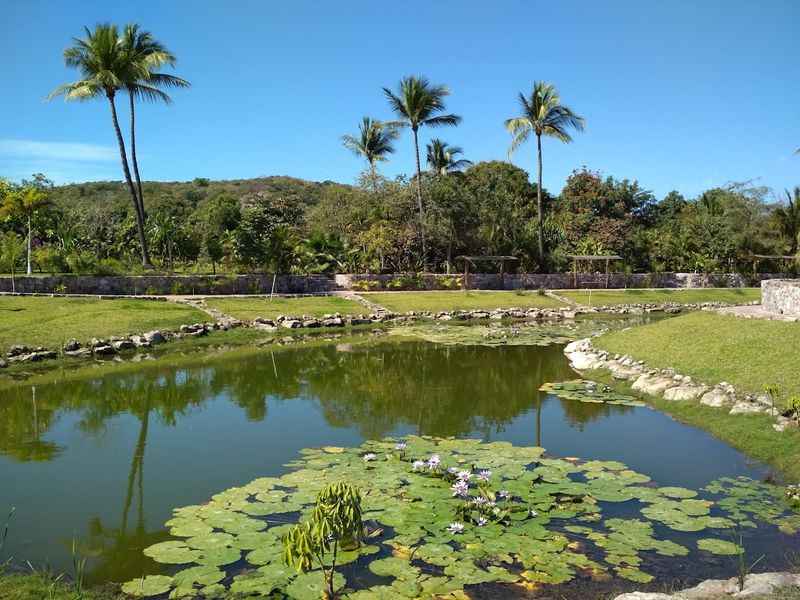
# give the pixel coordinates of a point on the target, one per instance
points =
(720, 547)
(310, 586)
(219, 557)
(152, 585)
(202, 575)
(211, 541)
(172, 553)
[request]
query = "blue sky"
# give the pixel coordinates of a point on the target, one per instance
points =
(679, 95)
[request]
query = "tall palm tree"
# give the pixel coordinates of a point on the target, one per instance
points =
(419, 103)
(788, 218)
(105, 67)
(442, 157)
(147, 55)
(544, 115)
(374, 142)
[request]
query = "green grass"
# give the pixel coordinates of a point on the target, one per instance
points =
(748, 353)
(49, 322)
(250, 308)
(656, 296)
(458, 300)
(45, 586)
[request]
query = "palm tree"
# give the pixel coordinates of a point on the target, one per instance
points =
(374, 142)
(442, 157)
(419, 103)
(542, 114)
(105, 67)
(146, 55)
(788, 218)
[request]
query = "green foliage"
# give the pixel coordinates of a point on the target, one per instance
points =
(335, 525)
(442, 514)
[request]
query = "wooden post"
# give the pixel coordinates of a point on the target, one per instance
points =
(607, 263)
(575, 273)
(502, 274)
(466, 274)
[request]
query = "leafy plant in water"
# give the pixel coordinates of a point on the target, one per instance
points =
(743, 569)
(774, 392)
(335, 524)
(78, 568)
(5, 532)
(793, 404)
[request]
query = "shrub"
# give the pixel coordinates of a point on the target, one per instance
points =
(449, 282)
(413, 281)
(82, 263)
(366, 285)
(109, 266)
(50, 259)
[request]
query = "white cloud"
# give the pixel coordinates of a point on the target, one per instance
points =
(57, 151)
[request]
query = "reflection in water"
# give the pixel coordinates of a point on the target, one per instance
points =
(202, 429)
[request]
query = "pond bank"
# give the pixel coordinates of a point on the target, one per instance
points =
(743, 420)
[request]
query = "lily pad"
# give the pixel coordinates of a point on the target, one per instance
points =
(720, 547)
(145, 587)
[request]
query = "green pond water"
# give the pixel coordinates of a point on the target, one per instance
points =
(106, 459)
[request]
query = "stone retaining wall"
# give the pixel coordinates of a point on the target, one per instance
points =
(315, 284)
(781, 296)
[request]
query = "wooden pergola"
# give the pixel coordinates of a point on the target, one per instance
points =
(591, 259)
(786, 258)
(471, 260)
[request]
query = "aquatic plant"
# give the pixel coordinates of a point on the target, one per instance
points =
(5, 530)
(583, 390)
(335, 524)
(519, 517)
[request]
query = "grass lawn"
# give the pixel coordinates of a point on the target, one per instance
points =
(250, 308)
(654, 296)
(458, 300)
(49, 322)
(748, 353)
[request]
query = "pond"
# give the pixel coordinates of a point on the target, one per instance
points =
(105, 460)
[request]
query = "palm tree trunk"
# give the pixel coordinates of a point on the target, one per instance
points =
(133, 158)
(539, 216)
(419, 202)
(29, 244)
(127, 172)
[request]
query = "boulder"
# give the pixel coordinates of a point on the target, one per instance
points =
(360, 321)
(104, 350)
(584, 345)
(584, 361)
(79, 353)
(333, 322)
(3, 363)
(291, 323)
(716, 398)
(311, 323)
(154, 337)
(744, 407)
(123, 345)
(644, 596)
(17, 350)
(139, 341)
(654, 385)
(685, 391)
(72, 345)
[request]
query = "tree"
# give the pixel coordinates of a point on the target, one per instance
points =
(544, 115)
(215, 251)
(442, 157)
(106, 68)
(23, 203)
(374, 142)
(335, 524)
(788, 218)
(11, 249)
(143, 82)
(419, 103)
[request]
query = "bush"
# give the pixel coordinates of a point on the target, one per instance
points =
(366, 285)
(412, 281)
(50, 259)
(82, 263)
(449, 282)
(109, 266)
